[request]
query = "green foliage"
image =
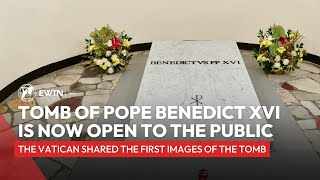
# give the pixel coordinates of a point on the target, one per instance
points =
(289, 32)
(273, 49)
(279, 32)
(255, 53)
(102, 35)
(260, 34)
(125, 36)
(269, 31)
(267, 66)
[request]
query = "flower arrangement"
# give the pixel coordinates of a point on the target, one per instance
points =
(279, 50)
(108, 50)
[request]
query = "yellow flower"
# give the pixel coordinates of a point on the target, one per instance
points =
(281, 49)
(104, 66)
(261, 58)
(115, 60)
(301, 53)
(92, 47)
(126, 43)
(114, 56)
(291, 36)
(265, 43)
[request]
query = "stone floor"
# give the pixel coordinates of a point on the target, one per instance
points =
(299, 90)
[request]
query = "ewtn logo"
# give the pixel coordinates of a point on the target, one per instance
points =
(27, 93)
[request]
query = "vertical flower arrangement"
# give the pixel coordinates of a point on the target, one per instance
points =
(108, 50)
(279, 50)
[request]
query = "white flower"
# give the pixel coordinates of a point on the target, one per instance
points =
(278, 58)
(106, 62)
(293, 53)
(124, 52)
(276, 65)
(98, 61)
(91, 40)
(285, 62)
(110, 70)
(109, 43)
(108, 53)
(114, 56)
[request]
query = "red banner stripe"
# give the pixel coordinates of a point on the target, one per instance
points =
(142, 149)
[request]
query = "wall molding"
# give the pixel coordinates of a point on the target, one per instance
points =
(14, 86)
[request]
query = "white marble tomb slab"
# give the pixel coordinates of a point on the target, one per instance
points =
(176, 84)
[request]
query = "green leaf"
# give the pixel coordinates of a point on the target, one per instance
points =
(255, 53)
(99, 45)
(273, 49)
(267, 66)
(98, 53)
(279, 32)
(110, 36)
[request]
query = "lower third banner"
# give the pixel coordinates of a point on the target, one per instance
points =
(142, 149)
